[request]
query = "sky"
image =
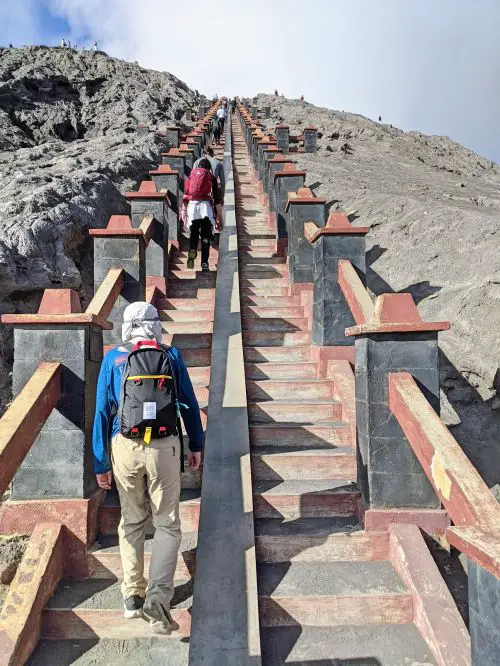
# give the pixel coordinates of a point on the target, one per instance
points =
(431, 65)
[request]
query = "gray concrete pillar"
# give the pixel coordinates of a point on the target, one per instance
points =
(310, 139)
(302, 206)
(267, 111)
(188, 153)
(173, 136)
(484, 615)
(166, 179)
(283, 138)
(155, 204)
(285, 181)
(120, 246)
(142, 130)
(337, 240)
(394, 340)
(177, 162)
(60, 464)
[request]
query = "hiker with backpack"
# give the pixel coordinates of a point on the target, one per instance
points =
(142, 391)
(217, 168)
(201, 210)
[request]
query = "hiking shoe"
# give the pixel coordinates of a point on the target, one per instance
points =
(160, 620)
(191, 257)
(133, 606)
(204, 266)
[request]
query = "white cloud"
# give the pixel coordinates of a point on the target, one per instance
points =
(422, 64)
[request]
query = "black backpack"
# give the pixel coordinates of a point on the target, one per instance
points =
(148, 399)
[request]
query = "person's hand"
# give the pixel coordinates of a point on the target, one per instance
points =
(218, 225)
(105, 480)
(194, 460)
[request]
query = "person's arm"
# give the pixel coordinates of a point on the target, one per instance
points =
(100, 434)
(190, 410)
(222, 178)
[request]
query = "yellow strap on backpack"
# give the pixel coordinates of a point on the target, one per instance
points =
(147, 436)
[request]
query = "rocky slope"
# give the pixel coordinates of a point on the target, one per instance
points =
(68, 151)
(434, 211)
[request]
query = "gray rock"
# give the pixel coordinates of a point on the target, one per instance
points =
(445, 251)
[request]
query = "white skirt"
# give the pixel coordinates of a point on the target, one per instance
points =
(197, 210)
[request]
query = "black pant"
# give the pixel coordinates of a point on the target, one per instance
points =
(201, 228)
(217, 134)
(221, 125)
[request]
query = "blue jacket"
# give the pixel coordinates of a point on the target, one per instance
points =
(108, 397)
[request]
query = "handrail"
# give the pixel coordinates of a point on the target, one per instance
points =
(23, 420)
(358, 299)
(107, 293)
(461, 489)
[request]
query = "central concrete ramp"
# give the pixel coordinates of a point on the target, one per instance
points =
(225, 622)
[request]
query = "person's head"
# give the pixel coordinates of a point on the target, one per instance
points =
(205, 164)
(209, 151)
(141, 320)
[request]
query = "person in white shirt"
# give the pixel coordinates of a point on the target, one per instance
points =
(221, 115)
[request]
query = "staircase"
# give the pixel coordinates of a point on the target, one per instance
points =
(83, 622)
(328, 593)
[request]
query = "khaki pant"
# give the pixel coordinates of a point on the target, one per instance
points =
(138, 468)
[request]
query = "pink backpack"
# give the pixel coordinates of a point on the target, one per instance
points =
(200, 185)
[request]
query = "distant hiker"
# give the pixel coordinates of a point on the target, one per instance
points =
(380, 119)
(216, 131)
(63, 43)
(233, 105)
(217, 168)
(215, 97)
(145, 456)
(302, 98)
(221, 115)
(96, 48)
(10, 46)
(276, 94)
(201, 210)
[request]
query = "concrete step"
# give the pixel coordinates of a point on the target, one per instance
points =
(187, 274)
(318, 540)
(263, 371)
(261, 283)
(332, 593)
(264, 291)
(276, 338)
(278, 324)
(104, 559)
(345, 645)
(273, 463)
(200, 376)
(189, 327)
(282, 312)
(300, 435)
(196, 358)
(198, 291)
(188, 340)
(255, 243)
(295, 390)
(270, 301)
(169, 304)
(277, 411)
(133, 651)
(291, 500)
(261, 257)
(263, 272)
(189, 509)
(275, 354)
(192, 315)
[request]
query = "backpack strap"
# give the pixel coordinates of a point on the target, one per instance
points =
(167, 349)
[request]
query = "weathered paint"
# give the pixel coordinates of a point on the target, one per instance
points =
(357, 297)
(434, 611)
(35, 580)
(23, 420)
(466, 497)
